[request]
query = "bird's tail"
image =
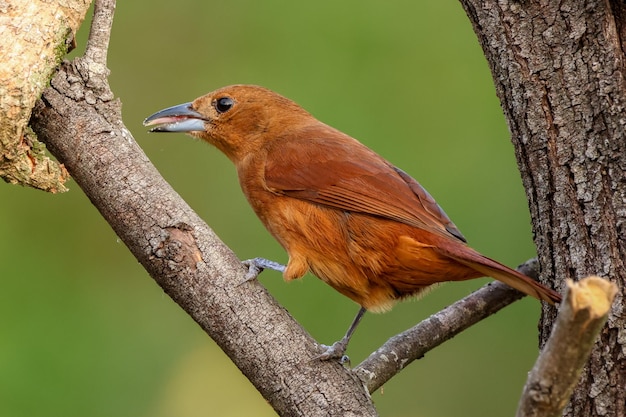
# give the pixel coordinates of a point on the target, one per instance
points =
(512, 278)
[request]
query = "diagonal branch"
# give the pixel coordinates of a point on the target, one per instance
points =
(402, 349)
(83, 128)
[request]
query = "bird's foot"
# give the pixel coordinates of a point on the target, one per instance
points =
(335, 351)
(257, 265)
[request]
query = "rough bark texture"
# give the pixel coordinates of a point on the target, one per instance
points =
(559, 68)
(33, 39)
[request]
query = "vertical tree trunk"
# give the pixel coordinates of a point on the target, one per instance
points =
(559, 69)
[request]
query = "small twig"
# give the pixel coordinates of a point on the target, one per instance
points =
(99, 35)
(93, 65)
(404, 348)
(581, 317)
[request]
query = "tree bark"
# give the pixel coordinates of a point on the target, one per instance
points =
(559, 70)
(34, 37)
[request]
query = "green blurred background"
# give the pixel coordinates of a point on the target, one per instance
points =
(84, 331)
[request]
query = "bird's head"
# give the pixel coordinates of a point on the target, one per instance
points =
(238, 119)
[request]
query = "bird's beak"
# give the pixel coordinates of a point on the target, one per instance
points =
(181, 118)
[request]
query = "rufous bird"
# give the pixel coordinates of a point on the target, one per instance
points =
(341, 211)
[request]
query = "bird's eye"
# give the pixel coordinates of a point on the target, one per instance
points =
(222, 105)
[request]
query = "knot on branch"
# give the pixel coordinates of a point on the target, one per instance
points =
(177, 248)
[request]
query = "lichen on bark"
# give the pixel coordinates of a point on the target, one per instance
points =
(33, 40)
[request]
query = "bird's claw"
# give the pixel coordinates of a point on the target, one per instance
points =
(257, 265)
(335, 351)
(253, 270)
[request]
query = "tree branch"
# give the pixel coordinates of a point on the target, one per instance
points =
(83, 129)
(402, 349)
(583, 313)
(100, 34)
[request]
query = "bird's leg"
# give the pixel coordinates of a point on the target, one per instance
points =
(337, 350)
(257, 265)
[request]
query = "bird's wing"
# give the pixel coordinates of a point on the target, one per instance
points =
(337, 171)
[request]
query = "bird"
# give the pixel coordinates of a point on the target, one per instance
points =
(340, 210)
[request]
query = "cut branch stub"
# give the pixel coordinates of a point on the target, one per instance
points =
(552, 380)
